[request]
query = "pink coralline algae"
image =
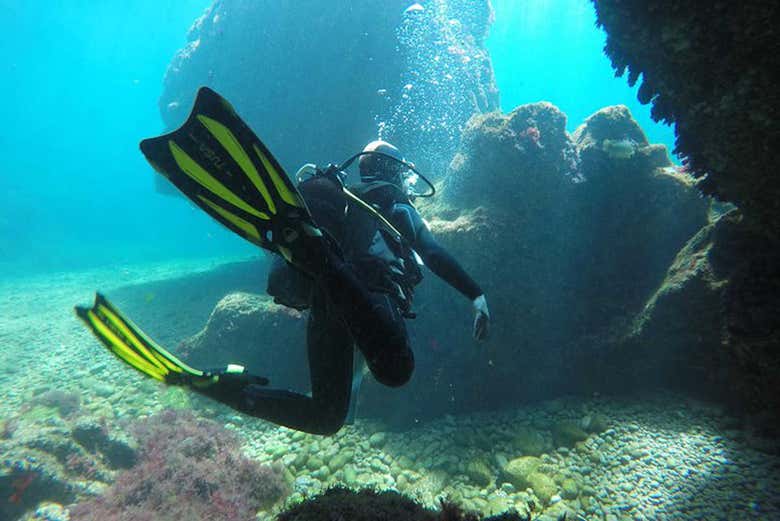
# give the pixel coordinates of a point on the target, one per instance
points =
(189, 468)
(532, 134)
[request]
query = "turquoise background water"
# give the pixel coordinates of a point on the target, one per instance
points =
(81, 80)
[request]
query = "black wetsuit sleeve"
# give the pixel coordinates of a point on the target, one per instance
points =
(438, 260)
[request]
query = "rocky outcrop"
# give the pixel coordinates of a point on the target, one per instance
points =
(708, 69)
(711, 320)
(52, 458)
(314, 80)
(268, 339)
(568, 235)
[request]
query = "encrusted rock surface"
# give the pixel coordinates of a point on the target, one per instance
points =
(568, 237)
(709, 68)
(712, 319)
(246, 329)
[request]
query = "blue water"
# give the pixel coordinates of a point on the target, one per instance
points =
(81, 81)
(551, 50)
(80, 89)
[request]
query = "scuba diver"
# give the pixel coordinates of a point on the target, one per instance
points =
(350, 255)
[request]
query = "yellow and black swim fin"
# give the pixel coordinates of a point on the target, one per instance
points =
(131, 345)
(219, 163)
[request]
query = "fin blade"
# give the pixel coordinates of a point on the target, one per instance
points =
(246, 227)
(192, 168)
(218, 162)
(117, 345)
(160, 353)
(230, 143)
(281, 182)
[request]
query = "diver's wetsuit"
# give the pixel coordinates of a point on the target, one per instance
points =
(345, 312)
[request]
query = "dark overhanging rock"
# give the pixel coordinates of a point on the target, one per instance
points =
(709, 68)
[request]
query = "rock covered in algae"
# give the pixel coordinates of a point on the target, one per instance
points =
(727, 129)
(251, 330)
(711, 314)
(518, 470)
(529, 442)
(567, 433)
(567, 241)
(370, 505)
(544, 486)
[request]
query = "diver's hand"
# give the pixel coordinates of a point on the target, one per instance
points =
(481, 318)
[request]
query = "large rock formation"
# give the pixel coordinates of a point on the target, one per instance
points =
(709, 70)
(710, 319)
(569, 236)
(315, 79)
(604, 268)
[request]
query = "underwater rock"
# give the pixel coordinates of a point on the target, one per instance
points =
(371, 505)
(569, 488)
(594, 423)
(29, 478)
(118, 451)
(728, 134)
(529, 442)
(253, 331)
(709, 326)
(177, 307)
(612, 134)
(377, 439)
(727, 129)
(65, 402)
(479, 472)
(567, 434)
(322, 65)
(568, 243)
(41, 462)
(505, 157)
(543, 485)
(519, 469)
(634, 214)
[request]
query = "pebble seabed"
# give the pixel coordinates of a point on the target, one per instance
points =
(662, 458)
(659, 457)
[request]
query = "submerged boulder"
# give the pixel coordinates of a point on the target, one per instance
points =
(727, 129)
(518, 471)
(252, 331)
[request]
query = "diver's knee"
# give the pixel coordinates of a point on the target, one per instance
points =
(396, 373)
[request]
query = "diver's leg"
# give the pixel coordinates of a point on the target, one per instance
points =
(390, 356)
(373, 320)
(330, 350)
